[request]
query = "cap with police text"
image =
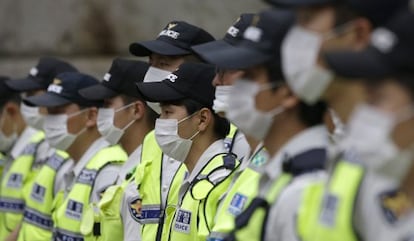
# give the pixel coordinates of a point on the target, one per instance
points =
(234, 35)
(190, 81)
(391, 51)
(175, 39)
(41, 75)
(378, 11)
(120, 79)
(64, 90)
(261, 41)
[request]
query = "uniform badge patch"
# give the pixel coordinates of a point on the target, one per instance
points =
(237, 204)
(395, 205)
(260, 158)
(15, 180)
(329, 210)
(135, 208)
(74, 210)
(38, 193)
(182, 221)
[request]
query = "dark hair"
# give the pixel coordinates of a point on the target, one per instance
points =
(310, 115)
(344, 13)
(221, 125)
(150, 114)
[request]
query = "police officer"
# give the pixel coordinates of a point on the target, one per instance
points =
(376, 203)
(124, 119)
(189, 131)
(171, 48)
(24, 168)
(240, 145)
(71, 126)
(263, 105)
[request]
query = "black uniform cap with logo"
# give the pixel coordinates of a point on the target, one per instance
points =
(391, 51)
(65, 90)
(121, 78)
(378, 11)
(190, 81)
(6, 93)
(41, 75)
(261, 42)
(234, 35)
(175, 39)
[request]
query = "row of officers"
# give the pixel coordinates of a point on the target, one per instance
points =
(296, 125)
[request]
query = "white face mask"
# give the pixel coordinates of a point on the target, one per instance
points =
(32, 116)
(242, 110)
(221, 103)
(106, 126)
(369, 134)
(300, 50)
(6, 142)
(56, 130)
(155, 75)
(166, 134)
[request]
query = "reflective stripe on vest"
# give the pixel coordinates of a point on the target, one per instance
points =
(326, 214)
(148, 177)
(194, 217)
(240, 195)
(251, 223)
(68, 216)
(37, 221)
(14, 184)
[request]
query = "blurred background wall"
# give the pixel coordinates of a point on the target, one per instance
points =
(90, 33)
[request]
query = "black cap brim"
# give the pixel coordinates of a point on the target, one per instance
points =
(97, 92)
(238, 57)
(299, 3)
(47, 100)
(158, 92)
(156, 46)
(209, 51)
(26, 84)
(367, 63)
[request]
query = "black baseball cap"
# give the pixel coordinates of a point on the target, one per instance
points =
(377, 11)
(208, 51)
(6, 93)
(175, 39)
(189, 81)
(65, 90)
(391, 51)
(261, 42)
(41, 75)
(120, 79)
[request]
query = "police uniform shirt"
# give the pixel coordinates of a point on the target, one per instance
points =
(44, 151)
(210, 152)
(242, 149)
(281, 224)
(132, 229)
(105, 178)
(382, 213)
(19, 146)
(133, 160)
(60, 183)
(169, 168)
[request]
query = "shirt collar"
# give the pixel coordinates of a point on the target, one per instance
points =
(22, 141)
(212, 150)
(311, 138)
(87, 156)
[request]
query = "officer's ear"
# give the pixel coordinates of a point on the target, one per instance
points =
(205, 117)
(290, 100)
(92, 116)
(138, 110)
(11, 109)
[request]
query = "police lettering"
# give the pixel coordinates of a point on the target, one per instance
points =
(170, 33)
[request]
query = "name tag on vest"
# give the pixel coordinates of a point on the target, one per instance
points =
(38, 193)
(74, 210)
(237, 204)
(87, 177)
(182, 221)
(15, 180)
